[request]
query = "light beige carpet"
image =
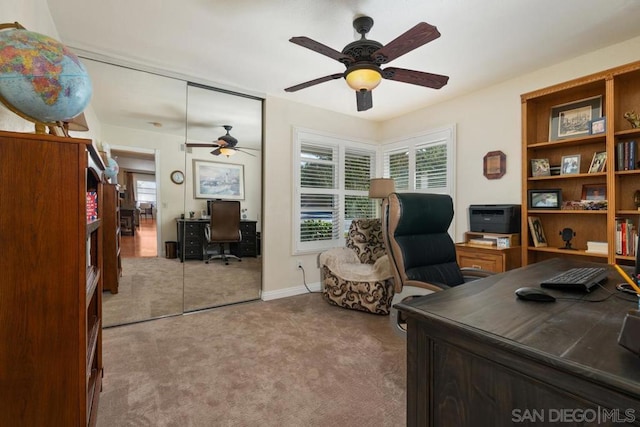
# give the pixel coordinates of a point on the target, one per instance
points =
(290, 362)
(153, 287)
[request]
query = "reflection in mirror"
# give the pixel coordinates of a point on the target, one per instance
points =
(142, 126)
(221, 171)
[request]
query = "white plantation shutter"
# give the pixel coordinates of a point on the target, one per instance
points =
(432, 167)
(332, 187)
(396, 166)
(424, 163)
(358, 167)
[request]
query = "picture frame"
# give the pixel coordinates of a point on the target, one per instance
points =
(214, 180)
(545, 199)
(570, 165)
(494, 164)
(594, 192)
(599, 162)
(573, 119)
(598, 126)
(537, 232)
(540, 167)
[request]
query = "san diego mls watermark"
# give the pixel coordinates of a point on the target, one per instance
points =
(573, 415)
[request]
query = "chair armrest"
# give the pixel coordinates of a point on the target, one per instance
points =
(470, 273)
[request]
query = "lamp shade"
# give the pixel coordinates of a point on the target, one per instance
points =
(77, 124)
(380, 188)
(360, 78)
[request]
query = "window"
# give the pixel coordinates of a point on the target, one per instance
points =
(332, 188)
(145, 190)
(424, 163)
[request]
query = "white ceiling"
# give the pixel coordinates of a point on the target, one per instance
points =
(243, 44)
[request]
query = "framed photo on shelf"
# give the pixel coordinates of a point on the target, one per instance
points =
(598, 162)
(540, 167)
(574, 118)
(537, 233)
(570, 164)
(594, 192)
(597, 126)
(545, 199)
(213, 180)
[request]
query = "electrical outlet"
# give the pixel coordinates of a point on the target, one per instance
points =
(299, 264)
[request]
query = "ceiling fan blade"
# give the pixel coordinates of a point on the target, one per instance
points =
(241, 150)
(322, 49)
(207, 145)
(420, 78)
(248, 148)
(364, 100)
(216, 152)
(421, 34)
(313, 82)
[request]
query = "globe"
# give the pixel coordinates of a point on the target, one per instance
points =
(112, 168)
(41, 79)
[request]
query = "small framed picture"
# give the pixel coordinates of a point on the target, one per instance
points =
(545, 199)
(570, 164)
(598, 162)
(597, 126)
(540, 167)
(594, 192)
(537, 233)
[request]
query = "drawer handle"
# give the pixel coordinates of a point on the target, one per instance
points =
(476, 266)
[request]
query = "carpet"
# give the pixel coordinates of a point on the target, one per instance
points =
(156, 287)
(295, 361)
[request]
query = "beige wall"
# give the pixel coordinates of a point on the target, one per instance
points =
(485, 120)
(280, 271)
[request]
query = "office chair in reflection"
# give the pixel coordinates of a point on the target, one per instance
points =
(223, 228)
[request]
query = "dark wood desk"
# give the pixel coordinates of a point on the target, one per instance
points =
(191, 239)
(476, 354)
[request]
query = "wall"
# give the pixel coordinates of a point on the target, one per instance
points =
(489, 120)
(281, 276)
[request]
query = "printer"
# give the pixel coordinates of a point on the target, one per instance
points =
(503, 219)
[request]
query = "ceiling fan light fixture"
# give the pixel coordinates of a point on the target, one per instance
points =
(363, 78)
(227, 151)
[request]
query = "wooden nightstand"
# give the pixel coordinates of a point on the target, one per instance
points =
(490, 258)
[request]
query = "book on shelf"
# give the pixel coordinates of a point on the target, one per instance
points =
(626, 237)
(626, 156)
(484, 241)
(598, 247)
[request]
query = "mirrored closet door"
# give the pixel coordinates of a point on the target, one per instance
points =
(226, 167)
(145, 119)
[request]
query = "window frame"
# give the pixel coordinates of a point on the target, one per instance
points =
(342, 145)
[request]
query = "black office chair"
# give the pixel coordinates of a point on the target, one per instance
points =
(422, 253)
(224, 227)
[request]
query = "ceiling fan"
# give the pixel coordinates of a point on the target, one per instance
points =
(226, 145)
(363, 59)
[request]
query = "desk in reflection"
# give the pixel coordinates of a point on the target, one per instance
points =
(191, 239)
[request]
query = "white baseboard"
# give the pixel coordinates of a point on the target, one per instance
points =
(289, 292)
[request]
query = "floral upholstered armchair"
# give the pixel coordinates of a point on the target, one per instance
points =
(359, 276)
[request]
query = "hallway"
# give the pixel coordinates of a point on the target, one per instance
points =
(144, 243)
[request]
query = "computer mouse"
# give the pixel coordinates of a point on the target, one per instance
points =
(534, 294)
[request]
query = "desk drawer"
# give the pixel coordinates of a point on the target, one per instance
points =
(484, 261)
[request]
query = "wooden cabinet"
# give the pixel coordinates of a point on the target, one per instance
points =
(191, 239)
(248, 245)
(111, 225)
(618, 91)
(51, 286)
(493, 259)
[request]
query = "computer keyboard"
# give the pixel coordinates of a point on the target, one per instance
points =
(577, 279)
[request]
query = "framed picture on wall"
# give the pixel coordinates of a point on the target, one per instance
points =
(212, 180)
